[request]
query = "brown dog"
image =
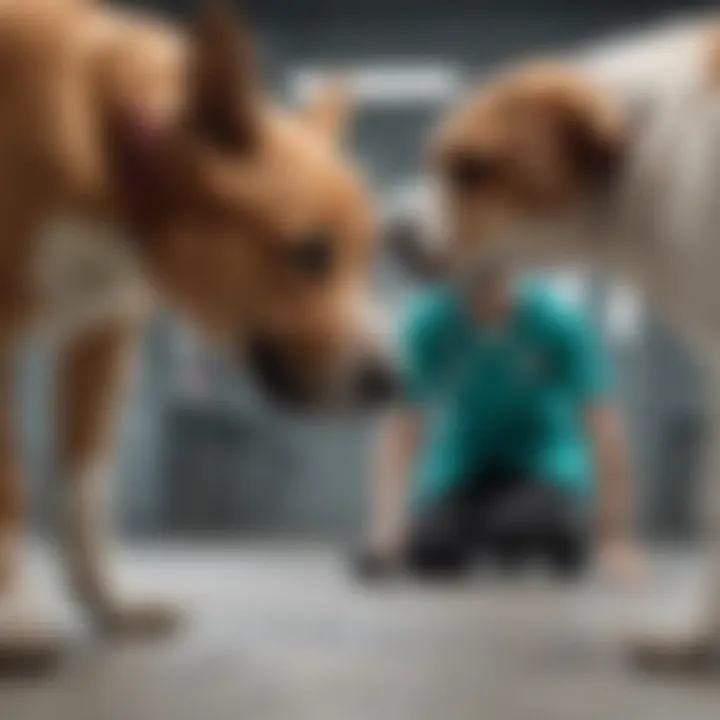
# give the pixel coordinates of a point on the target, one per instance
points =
(140, 164)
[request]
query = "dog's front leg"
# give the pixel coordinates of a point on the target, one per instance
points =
(27, 643)
(92, 372)
(11, 495)
(695, 645)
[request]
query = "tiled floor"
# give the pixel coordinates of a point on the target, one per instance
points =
(280, 633)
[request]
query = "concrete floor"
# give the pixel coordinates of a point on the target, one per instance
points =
(280, 633)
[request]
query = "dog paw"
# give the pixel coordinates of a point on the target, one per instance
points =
(28, 650)
(690, 653)
(140, 619)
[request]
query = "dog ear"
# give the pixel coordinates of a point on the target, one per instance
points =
(221, 113)
(568, 133)
(222, 104)
(595, 143)
(330, 108)
(589, 128)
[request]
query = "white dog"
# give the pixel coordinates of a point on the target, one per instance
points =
(611, 155)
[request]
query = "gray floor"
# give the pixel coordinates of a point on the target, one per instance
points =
(279, 633)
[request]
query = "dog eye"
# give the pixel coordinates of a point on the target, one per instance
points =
(466, 171)
(313, 256)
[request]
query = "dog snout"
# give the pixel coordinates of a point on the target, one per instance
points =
(376, 382)
(274, 373)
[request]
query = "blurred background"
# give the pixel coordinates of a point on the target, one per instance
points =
(202, 456)
(281, 635)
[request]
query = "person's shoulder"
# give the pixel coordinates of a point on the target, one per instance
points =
(429, 321)
(433, 306)
(546, 309)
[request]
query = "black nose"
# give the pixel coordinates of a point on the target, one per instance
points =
(376, 383)
(273, 372)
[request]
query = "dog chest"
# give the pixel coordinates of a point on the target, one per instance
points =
(86, 273)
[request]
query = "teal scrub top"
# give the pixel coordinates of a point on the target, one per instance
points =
(510, 396)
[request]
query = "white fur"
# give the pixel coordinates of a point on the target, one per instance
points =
(661, 225)
(83, 533)
(86, 274)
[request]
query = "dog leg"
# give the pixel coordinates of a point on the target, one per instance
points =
(697, 649)
(27, 646)
(11, 511)
(91, 374)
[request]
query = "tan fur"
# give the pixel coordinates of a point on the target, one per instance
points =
(11, 490)
(88, 379)
(90, 385)
(713, 56)
(329, 110)
(231, 188)
(543, 131)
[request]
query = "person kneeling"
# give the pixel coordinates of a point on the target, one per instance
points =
(508, 421)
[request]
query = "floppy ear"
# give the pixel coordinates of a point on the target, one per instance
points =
(222, 95)
(593, 135)
(595, 139)
(329, 110)
(566, 123)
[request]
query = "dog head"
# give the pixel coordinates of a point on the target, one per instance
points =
(521, 154)
(255, 225)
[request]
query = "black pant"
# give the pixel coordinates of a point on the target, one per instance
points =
(501, 514)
